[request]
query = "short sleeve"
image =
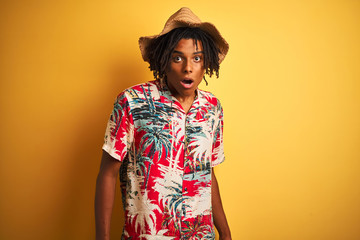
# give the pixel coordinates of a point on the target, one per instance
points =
(218, 144)
(119, 130)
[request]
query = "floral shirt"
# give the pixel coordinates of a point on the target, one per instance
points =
(167, 157)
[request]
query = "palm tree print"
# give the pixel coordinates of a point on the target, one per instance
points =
(195, 229)
(147, 110)
(167, 157)
(156, 140)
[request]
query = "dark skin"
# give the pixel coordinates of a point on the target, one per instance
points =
(220, 221)
(187, 62)
(105, 194)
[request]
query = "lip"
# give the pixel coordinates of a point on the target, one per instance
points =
(187, 83)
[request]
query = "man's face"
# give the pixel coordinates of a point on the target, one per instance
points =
(186, 68)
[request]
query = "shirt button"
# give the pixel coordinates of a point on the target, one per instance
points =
(185, 189)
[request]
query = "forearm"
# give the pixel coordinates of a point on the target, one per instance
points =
(104, 201)
(219, 216)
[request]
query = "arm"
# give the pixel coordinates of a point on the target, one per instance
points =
(218, 211)
(104, 196)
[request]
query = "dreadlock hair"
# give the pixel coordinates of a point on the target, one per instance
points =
(160, 50)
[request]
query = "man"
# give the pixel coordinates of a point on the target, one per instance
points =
(165, 137)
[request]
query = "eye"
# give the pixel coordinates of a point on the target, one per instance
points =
(197, 58)
(177, 59)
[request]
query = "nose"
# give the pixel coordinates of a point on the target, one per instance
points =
(187, 66)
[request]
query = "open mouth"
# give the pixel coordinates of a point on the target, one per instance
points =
(187, 81)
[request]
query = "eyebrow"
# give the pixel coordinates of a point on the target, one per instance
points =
(193, 53)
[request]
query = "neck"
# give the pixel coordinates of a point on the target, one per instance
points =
(185, 100)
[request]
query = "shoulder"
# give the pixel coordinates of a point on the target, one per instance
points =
(136, 90)
(210, 98)
(142, 86)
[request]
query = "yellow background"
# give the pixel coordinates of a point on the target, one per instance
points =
(290, 88)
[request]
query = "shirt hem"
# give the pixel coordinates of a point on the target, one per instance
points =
(218, 162)
(111, 152)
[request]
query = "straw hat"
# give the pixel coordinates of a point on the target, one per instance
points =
(186, 18)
